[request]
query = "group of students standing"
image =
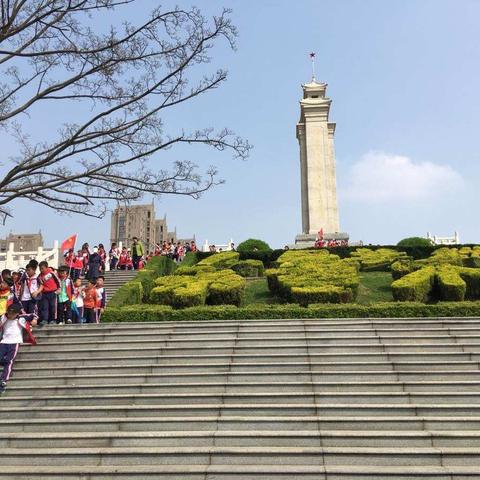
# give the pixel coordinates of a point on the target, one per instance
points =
(40, 294)
(53, 295)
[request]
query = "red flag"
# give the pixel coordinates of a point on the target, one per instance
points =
(69, 242)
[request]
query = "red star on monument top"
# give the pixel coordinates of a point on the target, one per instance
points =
(312, 55)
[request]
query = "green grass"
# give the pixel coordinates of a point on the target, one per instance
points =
(257, 291)
(374, 287)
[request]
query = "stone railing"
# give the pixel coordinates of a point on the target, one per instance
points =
(224, 248)
(14, 260)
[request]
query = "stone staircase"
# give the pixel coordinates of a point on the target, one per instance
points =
(332, 399)
(115, 279)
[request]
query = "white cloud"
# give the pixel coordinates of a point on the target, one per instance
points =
(379, 176)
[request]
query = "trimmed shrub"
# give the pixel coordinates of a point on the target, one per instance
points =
(252, 245)
(181, 291)
(159, 313)
(267, 257)
(378, 260)
(471, 276)
(414, 242)
(414, 287)
(327, 294)
(249, 268)
(451, 286)
(311, 276)
(402, 267)
(130, 293)
(220, 261)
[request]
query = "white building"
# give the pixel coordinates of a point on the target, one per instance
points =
(455, 240)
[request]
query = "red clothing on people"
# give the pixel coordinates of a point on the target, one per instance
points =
(70, 260)
(90, 300)
(49, 280)
(78, 265)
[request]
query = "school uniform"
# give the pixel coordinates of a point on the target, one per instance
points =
(90, 305)
(48, 302)
(77, 267)
(114, 255)
(14, 332)
(64, 304)
(29, 285)
(123, 260)
(101, 301)
(77, 313)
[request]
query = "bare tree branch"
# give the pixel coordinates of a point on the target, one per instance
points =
(127, 78)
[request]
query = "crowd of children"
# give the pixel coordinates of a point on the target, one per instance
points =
(40, 294)
(55, 296)
(175, 251)
(28, 298)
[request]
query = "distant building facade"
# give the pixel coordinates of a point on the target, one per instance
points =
(22, 242)
(454, 240)
(140, 221)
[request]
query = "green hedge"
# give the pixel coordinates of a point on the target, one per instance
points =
(253, 244)
(181, 291)
(314, 276)
(220, 261)
(157, 266)
(130, 293)
(402, 267)
(249, 268)
(158, 313)
(378, 260)
(414, 287)
(450, 284)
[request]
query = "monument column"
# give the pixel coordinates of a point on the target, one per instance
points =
(315, 135)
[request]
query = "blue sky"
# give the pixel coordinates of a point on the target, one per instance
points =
(403, 77)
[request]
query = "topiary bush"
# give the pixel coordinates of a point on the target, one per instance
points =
(130, 293)
(415, 242)
(402, 267)
(159, 313)
(414, 287)
(249, 268)
(450, 284)
(314, 276)
(379, 260)
(181, 291)
(252, 245)
(219, 261)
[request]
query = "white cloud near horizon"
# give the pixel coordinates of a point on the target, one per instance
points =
(380, 176)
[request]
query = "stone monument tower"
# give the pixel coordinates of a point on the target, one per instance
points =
(317, 166)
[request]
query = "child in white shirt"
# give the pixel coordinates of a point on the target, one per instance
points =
(14, 326)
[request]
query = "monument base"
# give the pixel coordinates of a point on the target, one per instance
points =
(307, 240)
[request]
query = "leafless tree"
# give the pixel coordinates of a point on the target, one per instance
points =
(123, 80)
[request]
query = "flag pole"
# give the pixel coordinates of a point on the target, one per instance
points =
(312, 58)
(74, 244)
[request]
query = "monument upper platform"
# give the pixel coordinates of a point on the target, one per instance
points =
(314, 90)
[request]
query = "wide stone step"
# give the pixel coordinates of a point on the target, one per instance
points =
(218, 336)
(243, 409)
(242, 438)
(234, 423)
(128, 384)
(254, 327)
(229, 348)
(240, 472)
(248, 398)
(275, 372)
(326, 456)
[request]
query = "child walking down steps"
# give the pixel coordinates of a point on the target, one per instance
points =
(15, 329)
